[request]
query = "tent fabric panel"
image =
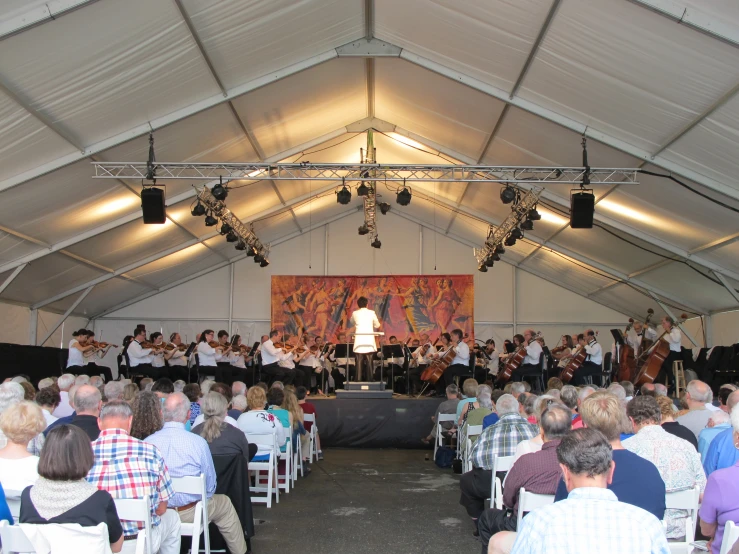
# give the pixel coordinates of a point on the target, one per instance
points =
(640, 82)
(561, 269)
(103, 295)
(137, 62)
(303, 106)
(434, 107)
(727, 256)
(684, 282)
(10, 9)
(488, 40)
(178, 265)
(248, 40)
(12, 248)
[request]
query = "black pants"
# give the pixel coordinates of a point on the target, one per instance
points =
(666, 369)
(181, 372)
(94, 369)
(275, 372)
(524, 370)
(414, 375)
(302, 376)
(147, 370)
(452, 371)
(475, 488)
(494, 521)
(587, 369)
(364, 365)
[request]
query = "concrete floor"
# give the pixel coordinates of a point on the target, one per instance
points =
(368, 501)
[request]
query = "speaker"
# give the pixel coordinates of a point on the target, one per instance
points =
(152, 205)
(582, 207)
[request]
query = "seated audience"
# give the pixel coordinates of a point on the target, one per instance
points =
(64, 420)
(187, 454)
(65, 382)
(237, 388)
(475, 416)
(555, 383)
(82, 380)
(46, 382)
(670, 425)
(591, 519)
(721, 499)
(582, 394)
(299, 436)
(48, 399)
(500, 439)
(469, 407)
(29, 392)
(723, 397)
(698, 395)
(194, 394)
(62, 494)
(677, 461)
(20, 424)
(113, 390)
(163, 387)
(568, 395)
(635, 480)
(179, 385)
(130, 391)
(535, 443)
(223, 439)
(259, 421)
(660, 389)
(238, 406)
(538, 472)
(146, 383)
(224, 390)
(647, 389)
(719, 422)
(129, 468)
(723, 451)
(629, 388)
(87, 401)
(618, 391)
(147, 415)
(275, 398)
(11, 393)
(469, 394)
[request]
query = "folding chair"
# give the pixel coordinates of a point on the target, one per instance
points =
(14, 539)
(13, 498)
(731, 535)
(471, 431)
(269, 465)
(528, 501)
(684, 500)
(287, 456)
(137, 509)
(439, 440)
(313, 450)
(500, 463)
(195, 485)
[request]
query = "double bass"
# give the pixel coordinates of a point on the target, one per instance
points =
(514, 362)
(653, 358)
(435, 369)
(626, 359)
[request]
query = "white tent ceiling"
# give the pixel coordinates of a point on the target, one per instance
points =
(442, 81)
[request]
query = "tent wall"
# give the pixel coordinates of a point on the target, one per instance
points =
(15, 324)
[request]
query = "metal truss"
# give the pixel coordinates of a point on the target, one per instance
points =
(358, 172)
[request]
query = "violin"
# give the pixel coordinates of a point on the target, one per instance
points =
(97, 344)
(171, 346)
(151, 346)
(284, 346)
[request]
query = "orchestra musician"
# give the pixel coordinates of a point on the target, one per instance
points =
(390, 366)
(638, 332)
(461, 362)
(530, 364)
(224, 371)
(674, 337)
(307, 362)
(365, 321)
(563, 352)
(178, 362)
(93, 367)
(159, 354)
(489, 358)
(238, 359)
(420, 359)
(78, 347)
(141, 358)
(271, 358)
(208, 351)
(340, 365)
(592, 366)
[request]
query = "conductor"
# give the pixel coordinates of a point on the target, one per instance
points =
(365, 321)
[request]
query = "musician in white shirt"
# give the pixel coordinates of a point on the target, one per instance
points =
(271, 356)
(635, 337)
(593, 364)
(341, 366)
(461, 362)
(530, 364)
(420, 359)
(141, 358)
(674, 338)
(392, 366)
(92, 357)
(365, 321)
(78, 347)
(178, 362)
(238, 359)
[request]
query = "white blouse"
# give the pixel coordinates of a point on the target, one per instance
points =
(75, 356)
(206, 355)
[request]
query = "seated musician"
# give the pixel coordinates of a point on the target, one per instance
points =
(93, 358)
(224, 373)
(638, 333)
(530, 364)
(392, 366)
(177, 361)
(158, 356)
(461, 362)
(271, 357)
(141, 358)
(445, 340)
(518, 340)
(674, 337)
(238, 360)
(490, 358)
(341, 366)
(592, 366)
(420, 359)
(306, 362)
(563, 352)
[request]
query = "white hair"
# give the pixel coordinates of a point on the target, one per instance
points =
(179, 385)
(719, 417)
(700, 391)
(660, 389)
(96, 381)
(45, 383)
(618, 391)
(19, 379)
(205, 386)
(113, 390)
(554, 393)
(238, 387)
(65, 381)
(483, 398)
(506, 404)
(518, 388)
(239, 402)
(735, 418)
(81, 380)
(585, 392)
(176, 407)
(10, 394)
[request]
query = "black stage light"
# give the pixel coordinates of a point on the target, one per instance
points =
(489, 261)
(241, 245)
(527, 225)
(384, 208)
(500, 249)
(251, 252)
(258, 258)
(362, 189)
(482, 268)
(344, 196)
(507, 194)
(198, 210)
(264, 263)
(533, 215)
(232, 237)
(363, 230)
(210, 221)
(495, 257)
(225, 228)
(404, 196)
(509, 241)
(219, 192)
(582, 208)
(376, 243)
(516, 233)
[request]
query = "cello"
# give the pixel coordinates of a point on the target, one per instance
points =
(435, 369)
(655, 357)
(574, 364)
(626, 359)
(514, 362)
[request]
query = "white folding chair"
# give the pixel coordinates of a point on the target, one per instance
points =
(731, 535)
(684, 500)
(14, 539)
(269, 466)
(13, 497)
(469, 432)
(195, 486)
(137, 509)
(528, 501)
(287, 455)
(500, 463)
(439, 440)
(313, 450)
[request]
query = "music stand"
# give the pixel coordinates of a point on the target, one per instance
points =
(345, 351)
(392, 351)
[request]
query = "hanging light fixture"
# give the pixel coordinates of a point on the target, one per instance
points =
(232, 237)
(241, 245)
(225, 228)
(376, 243)
(344, 195)
(219, 192)
(210, 221)
(363, 229)
(527, 225)
(507, 194)
(198, 210)
(384, 207)
(516, 233)
(404, 195)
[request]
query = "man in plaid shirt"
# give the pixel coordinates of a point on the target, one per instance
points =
(129, 468)
(500, 439)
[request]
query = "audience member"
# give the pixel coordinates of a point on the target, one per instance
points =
(194, 394)
(721, 499)
(500, 439)
(618, 391)
(568, 395)
(301, 393)
(723, 396)
(238, 404)
(20, 424)
(647, 389)
(187, 454)
(582, 394)
(698, 395)
(11, 393)
(635, 480)
(660, 389)
(669, 424)
(29, 392)
(146, 383)
(163, 387)
(275, 398)
(48, 399)
(537, 472)
(224, 390)
(129, 468)
(259, 421)
(97, 382)
(591, 519)
(65, 382)
(555, 383)
(629, 388)
(238, 387)
(205, 386)
(535, 443)
(223, 439)
(129, 392)
(179, 385)
(87, 401)
(113, 390)
(65, 420)
(299, 433)
(5, 514)
(82, 380)
(45, 382)
(723, 451)
(469, 394)
(147, 415)
(719, 422)
(470, 407)
(62, 494)
(676, 459)
(484, 407)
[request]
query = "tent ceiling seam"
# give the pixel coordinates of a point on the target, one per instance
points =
(40, 15)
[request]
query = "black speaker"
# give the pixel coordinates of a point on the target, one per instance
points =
(582, 207)
(152, 204)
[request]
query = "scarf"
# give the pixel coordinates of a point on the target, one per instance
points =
(53, 498)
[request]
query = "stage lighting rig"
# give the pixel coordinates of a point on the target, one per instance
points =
(527, 225)
(220, 191)
(225, 228)
(404, 196)
(384, 207)
(376, 243)
(510, 241)
(232, 237)
(198, 210)
(344, 195)
(508, 194)
(241, 245)
(210, 221)
(534, 215)
(363, 229)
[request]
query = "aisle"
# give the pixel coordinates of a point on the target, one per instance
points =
(359, 501)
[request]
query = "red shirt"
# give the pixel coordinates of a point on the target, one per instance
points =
(308, 408)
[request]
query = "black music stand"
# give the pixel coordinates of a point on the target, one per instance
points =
(345, 351)
(392, 351)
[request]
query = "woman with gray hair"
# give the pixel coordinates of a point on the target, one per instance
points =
(223, 439)
(534, 444)
(471, 406)
(483, 408)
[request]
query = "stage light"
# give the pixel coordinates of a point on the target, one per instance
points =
(495, 257)
(384, 208)
(362, 189)
(499, 249)
(404, 196)
(250, 252)
(516, 233)
(489, 261)
(225, 228)
(232, 237)
(482, 268)
(533, 215)
(510, 241)
(219, 191)
(264, 263)
(507, 194)
(344, 196)
(376, 243)
(241, 245)
(363, 229)
(258, 258)
(210, 221)
(198, 210)
(527, 225)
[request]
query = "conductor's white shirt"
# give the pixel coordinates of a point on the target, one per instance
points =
(365, 321)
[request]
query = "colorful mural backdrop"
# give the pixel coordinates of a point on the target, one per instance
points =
(406, 305)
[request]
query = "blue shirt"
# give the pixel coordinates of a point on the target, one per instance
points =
(461, 404)
(61, 421)
(636, 481)
(706, 438)
(4, 509)
(721, 453)
(186, 455)
(489, 420)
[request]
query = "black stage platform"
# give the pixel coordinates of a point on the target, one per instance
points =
(374, 423)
